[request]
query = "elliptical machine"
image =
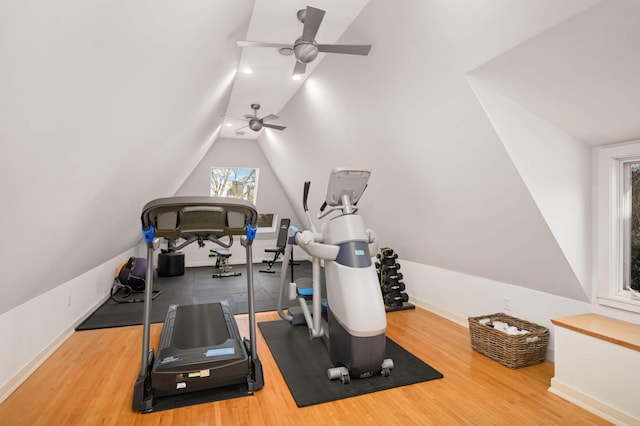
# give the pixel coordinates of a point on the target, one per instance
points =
(354, 322)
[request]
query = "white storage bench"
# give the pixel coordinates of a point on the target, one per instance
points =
(597, 361)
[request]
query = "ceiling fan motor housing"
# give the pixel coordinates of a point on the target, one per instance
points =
(255, 125)
(305, 50)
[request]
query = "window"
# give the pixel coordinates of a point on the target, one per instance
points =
(241, 182)
(630, 217)
(617, 226)
(236, 182)
(267, 222)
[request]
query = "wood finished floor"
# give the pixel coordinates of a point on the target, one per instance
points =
(89, 381)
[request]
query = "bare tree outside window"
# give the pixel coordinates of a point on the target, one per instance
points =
(236, 182)
(240, 182)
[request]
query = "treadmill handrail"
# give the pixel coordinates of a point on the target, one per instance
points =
(189, 204)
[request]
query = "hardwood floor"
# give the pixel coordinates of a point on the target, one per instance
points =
(89, 381)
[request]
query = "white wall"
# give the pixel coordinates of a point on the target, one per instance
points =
(34, 330)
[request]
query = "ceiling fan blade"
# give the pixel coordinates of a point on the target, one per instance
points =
(240, 128)
(300, 68)
(349, 49)
(274, 126)
(246, 43)
(312, 20)
(270, 117)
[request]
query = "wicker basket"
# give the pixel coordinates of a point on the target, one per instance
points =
(513, 351)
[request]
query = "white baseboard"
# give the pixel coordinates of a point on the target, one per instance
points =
(593, 405)
(33, 365)
(440, 312)
(23, 374)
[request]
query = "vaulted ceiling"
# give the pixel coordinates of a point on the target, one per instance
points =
(265, 76)
(104, 104)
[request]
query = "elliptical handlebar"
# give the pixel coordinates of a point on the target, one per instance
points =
(305, 196)
(311, 243)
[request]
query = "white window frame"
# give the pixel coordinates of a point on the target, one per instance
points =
(609, 226)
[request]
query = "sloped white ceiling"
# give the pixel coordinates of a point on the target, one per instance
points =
(104, 105)
(444, 190)
(582, 76)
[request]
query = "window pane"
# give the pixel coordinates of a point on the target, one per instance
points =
(265, 220)
(634, 225)
(236, 182)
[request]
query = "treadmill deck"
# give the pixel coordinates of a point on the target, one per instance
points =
(200, 348)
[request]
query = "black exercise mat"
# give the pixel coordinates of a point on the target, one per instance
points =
(304, 365)
(197, 286)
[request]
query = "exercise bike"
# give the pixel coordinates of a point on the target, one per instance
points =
(352, 320)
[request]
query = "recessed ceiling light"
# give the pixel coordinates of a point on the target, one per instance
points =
(228, 124)
(296, 76)
(247, 70)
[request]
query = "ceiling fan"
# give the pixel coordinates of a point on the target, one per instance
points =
(256, 124)
(305, 47)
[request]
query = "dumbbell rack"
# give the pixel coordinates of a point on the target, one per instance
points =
(390, 278)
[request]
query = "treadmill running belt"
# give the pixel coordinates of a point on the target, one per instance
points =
(199, 326)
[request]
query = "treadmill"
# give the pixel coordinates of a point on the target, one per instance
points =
(200, 345)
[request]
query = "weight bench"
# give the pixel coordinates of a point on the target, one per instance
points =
(222, 256)
(281, 243)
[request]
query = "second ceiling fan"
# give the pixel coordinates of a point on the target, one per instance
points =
(256, 124)
(305, 48)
